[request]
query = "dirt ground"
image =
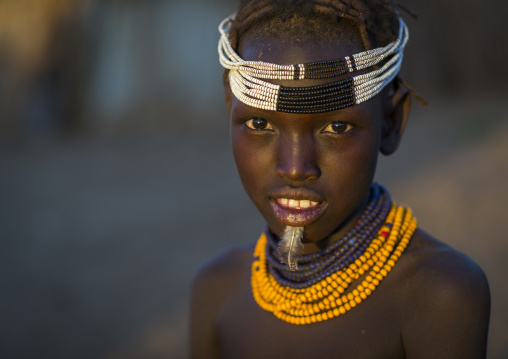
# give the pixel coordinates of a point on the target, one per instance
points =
(101, 236)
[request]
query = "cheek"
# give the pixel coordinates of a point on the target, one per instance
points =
(353, 160)
(253, 161)
(350, 171)
(363, 157)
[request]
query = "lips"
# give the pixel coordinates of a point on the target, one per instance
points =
(297, 207)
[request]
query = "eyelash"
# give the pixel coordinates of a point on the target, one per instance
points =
(251, 127)
(349, 127)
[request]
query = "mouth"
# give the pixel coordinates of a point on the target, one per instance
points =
(297, 208)
(296, 203)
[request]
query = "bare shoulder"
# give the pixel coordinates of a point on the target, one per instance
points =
(213, 284)
(448, 301)
(223, 269)
(441, 269)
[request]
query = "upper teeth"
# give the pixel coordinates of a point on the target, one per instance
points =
(295, 203)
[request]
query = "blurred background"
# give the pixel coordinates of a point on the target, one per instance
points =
(116, 178)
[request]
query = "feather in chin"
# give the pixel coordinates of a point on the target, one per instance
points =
(290, 247)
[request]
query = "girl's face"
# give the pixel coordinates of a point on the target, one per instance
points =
(310, 170)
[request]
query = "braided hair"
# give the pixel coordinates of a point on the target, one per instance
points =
(375, 20)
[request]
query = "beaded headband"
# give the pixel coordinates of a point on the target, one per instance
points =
(245, 77)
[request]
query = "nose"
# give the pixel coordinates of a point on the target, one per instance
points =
(296, 158)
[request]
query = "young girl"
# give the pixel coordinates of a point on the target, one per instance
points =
(340, 271)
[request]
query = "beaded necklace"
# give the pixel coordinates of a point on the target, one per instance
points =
(331, 295)
(246, 77)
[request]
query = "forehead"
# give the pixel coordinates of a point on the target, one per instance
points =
(300, 41)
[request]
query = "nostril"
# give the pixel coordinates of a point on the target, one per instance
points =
(298, 171)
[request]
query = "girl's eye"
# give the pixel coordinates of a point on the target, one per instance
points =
(258, 124)
(338, 127)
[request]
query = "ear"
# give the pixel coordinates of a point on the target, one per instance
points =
(397, 112)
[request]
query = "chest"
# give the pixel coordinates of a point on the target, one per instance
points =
(371, 330)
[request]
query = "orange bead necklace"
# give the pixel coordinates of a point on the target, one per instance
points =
(333, 296)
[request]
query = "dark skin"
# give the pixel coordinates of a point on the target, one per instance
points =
(435, 302)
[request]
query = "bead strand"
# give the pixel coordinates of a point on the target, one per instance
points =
(247, 84)
(332, 296)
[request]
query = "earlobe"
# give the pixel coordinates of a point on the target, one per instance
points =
(395, 119)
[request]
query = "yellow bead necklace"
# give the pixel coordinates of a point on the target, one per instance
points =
(331, 297)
